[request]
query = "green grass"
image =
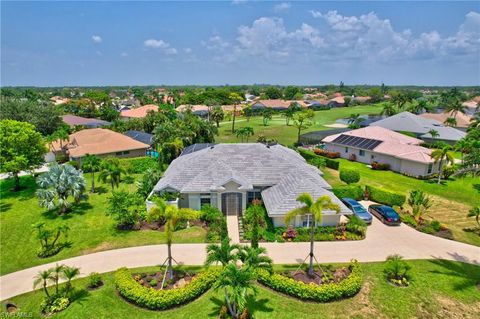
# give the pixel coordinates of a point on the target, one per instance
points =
(439, 289)
(90, 229)
(451, 199)
(287, 135)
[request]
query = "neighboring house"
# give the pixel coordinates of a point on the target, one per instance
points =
(249, 97)
(140, 136)
(317, 104)
(337, 101)
(361, 99)
(231, 176)
(73, 120)
(58, 100)
(411, 123)
(100, 142)
(463, 120)
(377, 144)
(472, 105)
(139, 112)
(200, 109)
(271, 104)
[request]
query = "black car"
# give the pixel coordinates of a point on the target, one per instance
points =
(386, 214)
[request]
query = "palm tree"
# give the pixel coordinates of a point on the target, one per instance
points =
(454, 105)
(43, 277)
(433, 133)
(464, 146)
(236, 284)
(111, 171)
(475, 212)
(451, 121)
(475, 121)
(388, 109)
(56, 271)
(419, 202)
(69, 273)
(236, 99)
(172, 216)
(443, 156)
(354, 121)
(222, 254)
(61, 135)
(419, 107)
(314, 209)
(91, 163)
(244, 133)
(255, 258)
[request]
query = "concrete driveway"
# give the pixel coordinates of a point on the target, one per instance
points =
(381, 241)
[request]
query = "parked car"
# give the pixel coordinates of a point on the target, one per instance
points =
(358, 210)
(386, 214)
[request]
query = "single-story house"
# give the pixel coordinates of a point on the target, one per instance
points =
(272, 104)
(140, 136)
(139, 112)
(100, 142)
(472, 105)
(200, 109)
(337, 101)
(463, 120)
(377, 144)
(411, 123)
(231, 176)
(73, 120)
(59, 100)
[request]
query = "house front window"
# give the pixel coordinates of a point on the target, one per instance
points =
(122, 153)
(205, 199)
(372, 156)
(346, 149)
(256, 193)
(430, 167)
(361, 153)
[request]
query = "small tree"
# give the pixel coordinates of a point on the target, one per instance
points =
(91, 164)
(475, 212)
(255, 258)
(244, 133)
(56, 185)
(254, 219)
(266, 115)
(302, 121)
(222, 254)
(22, 148)
(69, 273)
(126, 208)
(443, 156)
(420, 203)
(148, 181)
(289, 113)
(43, 277)
(111, 171)
(49, 238)
(217, 115)
(433, 133)
(397, 270)
(349, 176)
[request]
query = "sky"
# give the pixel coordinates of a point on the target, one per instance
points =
(239, 42)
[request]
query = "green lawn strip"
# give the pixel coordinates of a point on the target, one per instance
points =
(90, 229)
(452, 199)
(433, 279)
(287, 135)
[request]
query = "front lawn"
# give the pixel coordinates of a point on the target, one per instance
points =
(287, 135)
(451, 200)
(439, 289)
(90, 229)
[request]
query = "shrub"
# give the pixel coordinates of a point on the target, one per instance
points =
(409, 220)
(163, 299)
(397, 270)
(326, 153)
(138, 165)
(356, 225)
(209, 214)
(94, 280)
(385, 197)
(306, 154)
(352, 157)
(436, 225)
(448, 171)
(153, 282)
(129, 179)
(53, 305)
(332, 164)
(380, 166)
(323, 293)
(317, 161)
(349, 176)
(350, 191)
(74, 164)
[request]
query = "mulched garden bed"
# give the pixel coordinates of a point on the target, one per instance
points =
(321, 276)
(143, 225)
(154, 280)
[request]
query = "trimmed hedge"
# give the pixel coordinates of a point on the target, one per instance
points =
(323, 293)
(385, 197)
(332, 164)
(350, 191)
(325, 153)
(349, 176)
(163, 299)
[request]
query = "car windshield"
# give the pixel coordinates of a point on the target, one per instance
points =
(358, 209)
(390, 212)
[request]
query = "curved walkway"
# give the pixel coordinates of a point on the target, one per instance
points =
(381, 241)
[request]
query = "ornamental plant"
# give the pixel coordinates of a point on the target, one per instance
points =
(397, 270)
(349, 176)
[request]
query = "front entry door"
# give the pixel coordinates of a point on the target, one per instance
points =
(232, 203)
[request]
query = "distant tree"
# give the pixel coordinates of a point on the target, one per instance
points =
(91, 164)
(419, 107)
(217, 115)
(58, 184)
(266, 115)
(236, 99)
(244, 133)
(455, 106)
(302, 121)
(298, 96)
(290, 91)
(388, 109)
(347, 101)
(376, 94)
(273, 92)
(451, 121)
(108, 113)
(21, 148)
(289, 113)
(111, 171)
(443, 156)
(400, 99)
(248, 112)
(354, 121)
(433, 133)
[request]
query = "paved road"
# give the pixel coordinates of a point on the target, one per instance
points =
(381, 241)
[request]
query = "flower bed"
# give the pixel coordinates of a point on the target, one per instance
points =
(154, 299)
(348, 287)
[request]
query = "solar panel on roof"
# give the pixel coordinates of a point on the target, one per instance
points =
(355, 141)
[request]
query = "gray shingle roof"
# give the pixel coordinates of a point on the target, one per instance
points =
(248, 164)
(140, 136)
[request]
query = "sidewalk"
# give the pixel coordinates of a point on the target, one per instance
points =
(232, 226)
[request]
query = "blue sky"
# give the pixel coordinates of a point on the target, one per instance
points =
(240, 42)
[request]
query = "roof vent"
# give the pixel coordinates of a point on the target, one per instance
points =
(211, 147)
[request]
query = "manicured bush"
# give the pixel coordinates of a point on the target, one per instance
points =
(409, 220)
(380, 166)
(349, 176)
(94, 280)
(385, 197)
(325, 153)
(350, 191)
(332, 164)
(138, 165)
(323, 293)
(163, 299)
(306, 154)
(53, 305)
(397, 270)
(356, 225)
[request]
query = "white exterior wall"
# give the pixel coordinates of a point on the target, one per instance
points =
(327, 220)
(194, 201)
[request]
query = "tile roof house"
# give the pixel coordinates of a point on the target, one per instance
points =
(100, 142)
(73, 120)
(463, 120)
(377, 144)
(337, 101)
(139, 112)
(272, 104)
(199, 109)
(230, 176)
(408, 122)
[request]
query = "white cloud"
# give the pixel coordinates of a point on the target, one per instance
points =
(161, 45)
(284, 6)
(96, 39)
(187, 50)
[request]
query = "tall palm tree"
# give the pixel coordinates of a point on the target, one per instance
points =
(56, 271)
(443, 156)
(69, 273)
(172, 216)
(111, 171)
(91, 163)
(222, 254)
(475, 121)
(451, 121)
(236, 99)
(420, 106)
(454, 105)
(43, 277)
(464, 146)
(236, 283)
(475, 212)
(255, 258)
(314, 209)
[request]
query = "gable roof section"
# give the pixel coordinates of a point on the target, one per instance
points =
(463, 120)
(73, 120)
(139, 112)
(377, 133)
(140, 136)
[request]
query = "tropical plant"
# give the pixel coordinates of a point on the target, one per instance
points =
(397, 270)
(433, 133)
(222, 254)
(454, 106)
(172, 216)
(48, 238)
(420, 203)
(442, 156)
(475, 212)
(302, 121)
(126, 208)
(419, 107)
(22, 148)
(236, 99)
(244, 133)
(314, 209)
(43, 277)
(255, 258)
(451, 121)
(69, 273)
(289, 113)
(148, 181)
(217, 115)
(254, 219)
(266, 115)
(56, 271)
(56, 185)
(91, 164)
(111, 171)
(94, 280)
(388, 109)
(354, 121)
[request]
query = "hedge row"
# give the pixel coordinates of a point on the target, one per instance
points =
(385, 197)
(332, 164)
(162, 299)
(323, 293)
(351, 191)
